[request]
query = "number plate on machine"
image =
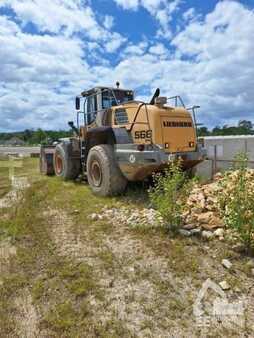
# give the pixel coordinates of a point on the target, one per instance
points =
(143, 134)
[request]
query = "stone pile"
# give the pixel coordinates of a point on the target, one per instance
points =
(202, 207)
(201, 215)
(202, 211)
(132, 218)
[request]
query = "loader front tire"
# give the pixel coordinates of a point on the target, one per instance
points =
(65, 166)
(103, 173)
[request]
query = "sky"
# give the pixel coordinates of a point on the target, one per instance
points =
(51, 50)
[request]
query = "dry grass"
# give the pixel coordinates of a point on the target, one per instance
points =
(5, 183)
(77, 278)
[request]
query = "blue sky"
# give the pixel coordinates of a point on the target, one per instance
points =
(51, 50)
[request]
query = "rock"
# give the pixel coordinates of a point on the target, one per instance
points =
(219, 232)
(185, 213)
(189, 219)
(195, 232)
(217, 176)
(189, 226)
(206, 234)
(94, 217)
(209, 226)
(224, 285)
(185, 233)
(250, 263)
(197, 211)
(205, 217)
(226, 263)
(240, 248)
(252, 272)
(216, 221)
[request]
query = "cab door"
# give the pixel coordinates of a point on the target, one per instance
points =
(91, 109)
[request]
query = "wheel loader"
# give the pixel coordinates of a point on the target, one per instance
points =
(119, 139)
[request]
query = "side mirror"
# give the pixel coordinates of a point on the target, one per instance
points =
(77, 103)
(71, 124)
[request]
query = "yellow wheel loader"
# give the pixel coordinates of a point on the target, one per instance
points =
(119, 139)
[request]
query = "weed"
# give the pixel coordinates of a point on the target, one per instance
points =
(237, 208)
(38, 289)
(62, 316)
(169, 193)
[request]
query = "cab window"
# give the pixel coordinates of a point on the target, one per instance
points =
(108, 100)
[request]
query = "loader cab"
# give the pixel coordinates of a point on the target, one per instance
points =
(98, 100)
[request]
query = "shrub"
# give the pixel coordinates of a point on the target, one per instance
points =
(169, 193)
(237, 203)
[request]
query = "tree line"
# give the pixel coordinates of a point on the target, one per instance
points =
(243, 127)
(39, 136)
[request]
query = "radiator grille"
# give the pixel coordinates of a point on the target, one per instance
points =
(121, 116)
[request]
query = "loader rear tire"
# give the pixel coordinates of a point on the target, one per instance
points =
(65, 166)
(103, 173)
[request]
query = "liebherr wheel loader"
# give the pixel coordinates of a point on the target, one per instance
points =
(119, 139)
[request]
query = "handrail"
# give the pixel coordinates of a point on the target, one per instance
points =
(177, 97)
(136, 115)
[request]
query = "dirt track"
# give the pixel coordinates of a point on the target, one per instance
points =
(25, 151)
(64, 275)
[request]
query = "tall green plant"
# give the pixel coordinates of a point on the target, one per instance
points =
(237, 207)
(169, 192)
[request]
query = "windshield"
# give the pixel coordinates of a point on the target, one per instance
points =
(113, 98)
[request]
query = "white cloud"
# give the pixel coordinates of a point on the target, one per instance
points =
(212, 65)
(132, 50)
(108, 22)
(189, 14)
(40, 75)
(222, 46)
(112, 45)
(56, 15)
(67, 17)
(159, 49)
(128, 4)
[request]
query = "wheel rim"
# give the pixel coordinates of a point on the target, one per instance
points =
(59, 164)
(96, 173)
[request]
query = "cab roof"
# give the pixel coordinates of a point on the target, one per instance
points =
(100, 88)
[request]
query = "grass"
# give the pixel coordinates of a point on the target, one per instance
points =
(36, 253)
(62, 317)
(5, 183)
(62, 287)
